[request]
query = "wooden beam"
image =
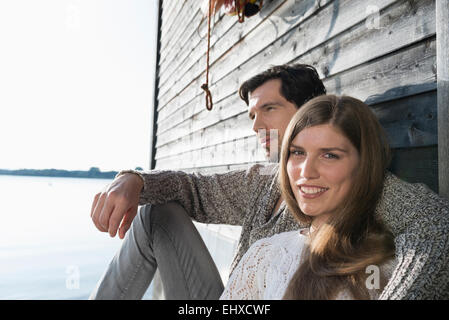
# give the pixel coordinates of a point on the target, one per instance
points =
(442, 30)
(154, 114)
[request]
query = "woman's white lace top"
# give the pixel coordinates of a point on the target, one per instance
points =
(265, 270)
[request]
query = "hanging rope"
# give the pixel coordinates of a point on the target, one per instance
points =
(205, 86)
(240, 12)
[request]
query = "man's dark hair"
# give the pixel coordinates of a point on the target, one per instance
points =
(300, 83)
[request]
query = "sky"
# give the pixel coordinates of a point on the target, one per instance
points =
(76, 83)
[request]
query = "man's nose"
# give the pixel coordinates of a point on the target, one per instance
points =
(257, 124)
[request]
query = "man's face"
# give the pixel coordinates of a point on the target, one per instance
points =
(269, 110)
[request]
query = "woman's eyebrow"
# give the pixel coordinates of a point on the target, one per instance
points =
(321, 149)
(334, 149)
(295, 147)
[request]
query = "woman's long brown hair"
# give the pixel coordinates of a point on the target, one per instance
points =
(352, 239)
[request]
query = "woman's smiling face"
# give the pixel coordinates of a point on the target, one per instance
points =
(321, 169)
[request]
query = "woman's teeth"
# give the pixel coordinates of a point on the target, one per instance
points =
(312, 190)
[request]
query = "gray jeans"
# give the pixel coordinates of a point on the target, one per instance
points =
(161, 237)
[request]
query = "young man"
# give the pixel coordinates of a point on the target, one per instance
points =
(163, 235)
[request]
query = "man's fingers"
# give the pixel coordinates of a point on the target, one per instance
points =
(126, 223)
(94, 204)
(106, 212)
(116, 217)
(97, 212)
(113, 203)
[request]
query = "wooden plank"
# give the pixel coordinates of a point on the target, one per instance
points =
(190, 16)
(196, 22)
(442, 25)
(177, 14)
(225, 32)
(194, 31)
(181, 45)
(176, 7)
(181, 55)
(196, 46)
(417, 165)
(240, 151)
(218, 30)
(410, 121)
(207, 170)
(403, 73)
(226, 130)
(225, 109)
(166, 4)
(399, 26)
(167, 13)
(221, 169)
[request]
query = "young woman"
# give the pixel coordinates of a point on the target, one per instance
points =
(333, 165)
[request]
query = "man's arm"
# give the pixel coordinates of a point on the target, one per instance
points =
(212, 198)
(419, 220)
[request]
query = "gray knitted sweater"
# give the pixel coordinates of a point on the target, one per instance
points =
(417, 217)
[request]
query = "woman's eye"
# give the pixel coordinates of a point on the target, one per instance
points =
(331, 156)
(297, 152)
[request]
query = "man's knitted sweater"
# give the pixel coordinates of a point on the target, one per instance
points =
(417, 217)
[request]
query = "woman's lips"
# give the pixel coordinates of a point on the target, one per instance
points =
(311, 192)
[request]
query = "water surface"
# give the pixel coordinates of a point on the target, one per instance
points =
(49, 247)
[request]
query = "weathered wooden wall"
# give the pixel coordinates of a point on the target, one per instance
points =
(382, 52)
(442, 29)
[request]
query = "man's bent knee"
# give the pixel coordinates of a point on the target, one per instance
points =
(168, 216)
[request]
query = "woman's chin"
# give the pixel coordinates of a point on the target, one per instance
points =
(312, 213)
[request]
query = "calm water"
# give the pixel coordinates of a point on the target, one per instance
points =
(49, 247)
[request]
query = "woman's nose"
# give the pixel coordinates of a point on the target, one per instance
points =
(309, 169)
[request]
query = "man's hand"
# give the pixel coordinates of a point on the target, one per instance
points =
(117, 205)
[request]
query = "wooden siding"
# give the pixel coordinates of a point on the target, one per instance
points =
(386, 59)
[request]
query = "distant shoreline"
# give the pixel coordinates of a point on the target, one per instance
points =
(93, 173)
